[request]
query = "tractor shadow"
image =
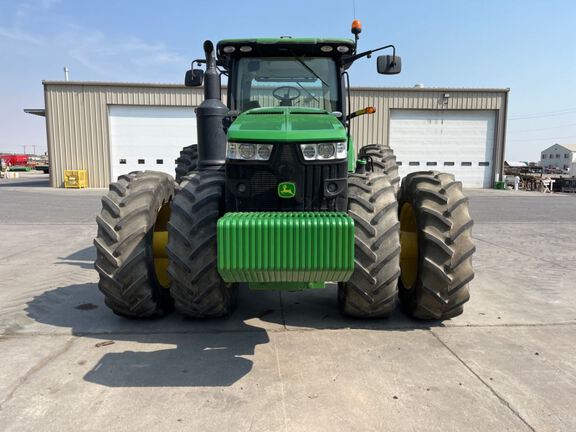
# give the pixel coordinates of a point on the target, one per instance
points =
(169, 352)
(83, 258)
(179, 352)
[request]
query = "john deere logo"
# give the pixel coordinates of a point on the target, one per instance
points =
(286, 190)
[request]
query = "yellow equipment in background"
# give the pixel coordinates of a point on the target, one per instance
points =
(75, 179)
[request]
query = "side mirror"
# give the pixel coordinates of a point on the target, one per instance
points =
(194, 78)
(389, 65)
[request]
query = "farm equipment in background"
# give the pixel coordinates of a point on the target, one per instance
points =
(16, 162)
(276, 197)
(25, 162)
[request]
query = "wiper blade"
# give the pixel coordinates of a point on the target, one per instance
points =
(311, 71)
(306, 90)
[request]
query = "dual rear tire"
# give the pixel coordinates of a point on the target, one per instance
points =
(436, 244)
(197, 288)
(417, 249)
(132, 246)
(372, 289)
(131, 274)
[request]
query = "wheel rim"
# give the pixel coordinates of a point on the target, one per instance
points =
(408, 246)
(159, 243)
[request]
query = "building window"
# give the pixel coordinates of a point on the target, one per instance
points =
(431, 163)
(566, 155)
(566, 167)
(159, 161)
(141, 162)
(466, 163)
(543, 156)
(557, 155)
(483, 163)
(398, 163)
(448, 163)
(123, 161)
(414, 163)
(551, 156)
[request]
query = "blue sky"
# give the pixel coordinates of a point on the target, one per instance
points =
(528, 46)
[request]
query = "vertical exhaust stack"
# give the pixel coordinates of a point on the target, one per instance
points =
(210, 116)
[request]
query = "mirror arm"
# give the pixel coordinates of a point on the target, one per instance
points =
(218, 63)
(352, 59)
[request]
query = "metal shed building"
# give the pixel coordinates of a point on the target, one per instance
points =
(112, 128)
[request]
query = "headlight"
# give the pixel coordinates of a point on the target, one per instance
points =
(249, 151)
(324, 151)
(309, 151)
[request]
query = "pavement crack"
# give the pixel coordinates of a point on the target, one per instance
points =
(500, 398)
(284, 412)
(35, 369)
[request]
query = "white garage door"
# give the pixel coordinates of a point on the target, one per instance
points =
(459, 142)
(149, 137)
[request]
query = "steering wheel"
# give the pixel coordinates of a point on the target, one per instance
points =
(286, 98)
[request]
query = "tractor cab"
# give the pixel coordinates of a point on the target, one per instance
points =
(287, 121)
(285, 72)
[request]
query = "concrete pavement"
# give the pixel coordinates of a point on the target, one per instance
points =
(288, 362)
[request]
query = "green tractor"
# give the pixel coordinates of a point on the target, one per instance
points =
(275, 196)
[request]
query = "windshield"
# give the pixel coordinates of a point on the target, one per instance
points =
(286, 81)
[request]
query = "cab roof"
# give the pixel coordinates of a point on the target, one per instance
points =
(284, 46)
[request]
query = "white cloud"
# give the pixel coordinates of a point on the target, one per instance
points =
(106, 55)
(18, 35)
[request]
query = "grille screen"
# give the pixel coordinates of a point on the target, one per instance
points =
(284, 165)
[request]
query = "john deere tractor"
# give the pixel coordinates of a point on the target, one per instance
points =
(276, 197)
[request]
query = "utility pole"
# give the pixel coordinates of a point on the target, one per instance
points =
(24, 149)
(34, 148)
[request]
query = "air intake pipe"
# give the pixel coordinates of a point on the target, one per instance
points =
(210, 116)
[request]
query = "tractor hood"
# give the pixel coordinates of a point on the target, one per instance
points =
(286, 124)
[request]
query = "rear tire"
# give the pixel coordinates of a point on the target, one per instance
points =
(438, 288)
(197, 288)
(372, 290)
(124, 257)
(187, 162)
(384, 161)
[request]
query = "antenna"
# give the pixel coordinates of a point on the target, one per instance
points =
(66, 70)
(356, 26)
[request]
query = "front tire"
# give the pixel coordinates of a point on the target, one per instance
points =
(372, 289)
(437, 247)
(197, 288)
(125, 258)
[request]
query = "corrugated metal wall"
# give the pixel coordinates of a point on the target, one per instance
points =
(77, 117)
(77, 123)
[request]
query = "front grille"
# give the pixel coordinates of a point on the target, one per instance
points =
(262, 180)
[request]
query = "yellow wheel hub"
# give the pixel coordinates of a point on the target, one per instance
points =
(408, 246)
(159, 243)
